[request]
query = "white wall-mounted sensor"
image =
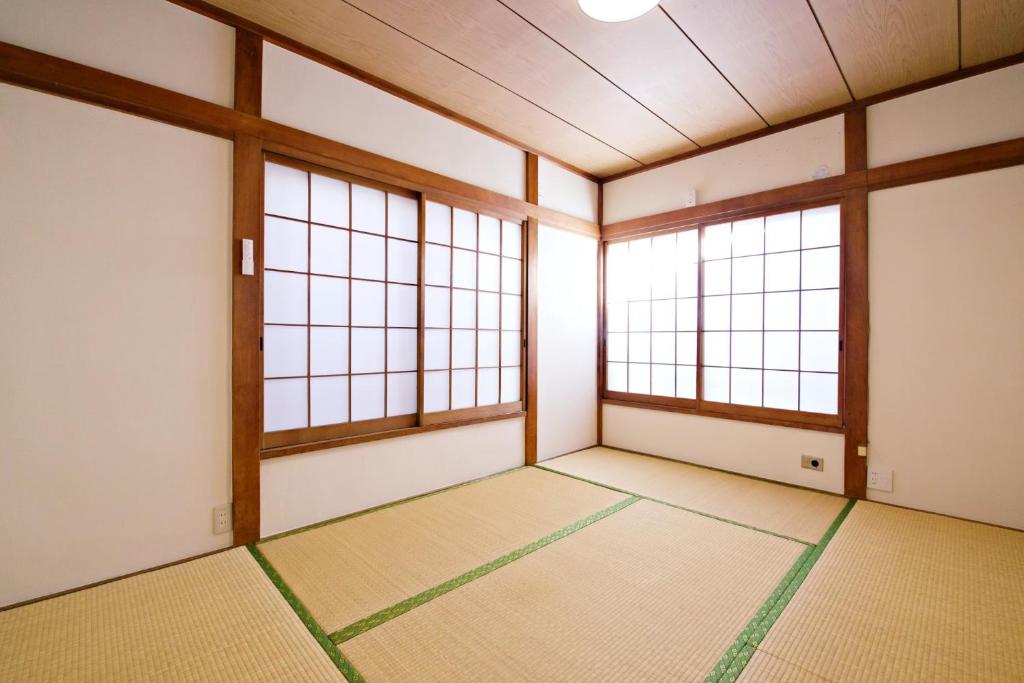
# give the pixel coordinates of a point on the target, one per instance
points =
(248, 264)
(690, 198)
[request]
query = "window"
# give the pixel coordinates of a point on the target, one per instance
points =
(740, 317)
(341, 312)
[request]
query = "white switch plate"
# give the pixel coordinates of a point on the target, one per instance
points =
(222, 519)
(880, 478)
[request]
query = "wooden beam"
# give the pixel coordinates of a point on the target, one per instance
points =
(532, 294)
(248, 72)
(855, 139)
(600, 319)
(960, 162)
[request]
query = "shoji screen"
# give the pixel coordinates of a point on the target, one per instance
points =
(473, 341)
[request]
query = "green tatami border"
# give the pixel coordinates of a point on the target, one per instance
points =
(344, 666)
(400, 608)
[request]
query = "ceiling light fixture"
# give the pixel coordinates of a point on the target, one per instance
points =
(616, 10)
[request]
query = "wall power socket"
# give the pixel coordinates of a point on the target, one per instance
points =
(222, 519)
(812, 462)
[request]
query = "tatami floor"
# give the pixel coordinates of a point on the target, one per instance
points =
(599, 565)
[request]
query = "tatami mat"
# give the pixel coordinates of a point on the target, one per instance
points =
(764, 668)
(215, 619)
(901, 595)
(350, 569)
(648, 593)
(785, 510)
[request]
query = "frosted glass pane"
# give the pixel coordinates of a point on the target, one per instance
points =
(367, 350)
(328, 350)
(511, 275)
(717, 241)
(747, 311)
(401, 393)
(716, 384)
(640, 316)
(663, 380)
(639, 378)
(401, 306)
(329, 251)
(616, 348)
(663, 347)
(782, 232)
(663, 275)
(686, 381)
(368, 303)
(640, 347)
(748, 237)
(748, 274)
(663, 315)
(368, 256)
(780, 390)
(435, 391)
(464, 229)
(511, 239)
(746, 387)
(821, 227)
(329, 301)
(686, 246)
(782, 350)
(511, 347)
(782, 272)
(819, 310)
(490, 272)
(284, 298)
(284, 404)
(716, 348)
(435, 349)
(819, 351)
(487, 387)
(686, 314)
(716, 312)
(490, 234)
(463, 348)
(640, 269)
(436, 307)
(463, 389)
(488, 305)
(616, 277)
(284, 351)
(286, 192)
(438, 265)
(463, 308)
(510, 313)
(439, 223)
(285, 244)
(819, 393)
(401, 350)
(509, 385)
(488, 349)
(615, 378)
(463, 268)
(367, 397)
(368, 209)
(329, 201)
(717, 277)
(820, 268)
(403, 217)
(746, 349)
(686, 348)
(687, 278)
(328, 400)
(403, 260)
(782, 311)
(616, 317)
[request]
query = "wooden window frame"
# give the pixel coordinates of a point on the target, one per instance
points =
(698, 406)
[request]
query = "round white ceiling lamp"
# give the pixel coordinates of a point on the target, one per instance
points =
(616, 10)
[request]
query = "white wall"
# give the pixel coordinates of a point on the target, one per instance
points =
(566, 342)
(303, 489)
(746, 447)
(310, 96)
(148, 40)
(566, 191)
(947, 324)
(785, 158)
(974, 111)
(115, 408)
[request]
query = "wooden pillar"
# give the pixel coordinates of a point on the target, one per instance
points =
(532, 293)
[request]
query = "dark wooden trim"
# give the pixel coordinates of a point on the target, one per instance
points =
(248, 72)
(960, 162)
(302, 435)
(532, 192)
(724, 416)
(278, 452)
(855, 340)
(532, 302)
(901, 91)
(461, 415)
(601, 246)
(242, 24)
(855, 139)
(53, 75)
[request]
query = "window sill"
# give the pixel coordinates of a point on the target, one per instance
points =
(767, 416)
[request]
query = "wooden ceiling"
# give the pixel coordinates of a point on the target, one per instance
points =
(608, 98)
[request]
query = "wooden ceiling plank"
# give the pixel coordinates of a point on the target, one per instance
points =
(991, 29)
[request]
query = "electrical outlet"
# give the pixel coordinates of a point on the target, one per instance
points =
(880, 478)
(810, 462)
(222, 519)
